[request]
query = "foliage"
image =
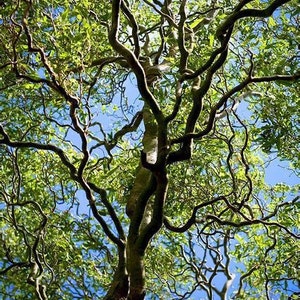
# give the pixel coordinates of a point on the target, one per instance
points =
(134, 139)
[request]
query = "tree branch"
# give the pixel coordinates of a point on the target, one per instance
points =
(133, 62)
(239, 14)
(189, 136)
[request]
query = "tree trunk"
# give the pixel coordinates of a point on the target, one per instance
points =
(139, 209)
(136, 271)
(120, 284)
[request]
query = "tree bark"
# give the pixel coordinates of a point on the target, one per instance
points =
(136, 271)
(139, 209)
(120, 284)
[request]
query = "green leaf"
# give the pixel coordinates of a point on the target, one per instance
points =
(271, 22)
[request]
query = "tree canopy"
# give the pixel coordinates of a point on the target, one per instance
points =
(134, 141)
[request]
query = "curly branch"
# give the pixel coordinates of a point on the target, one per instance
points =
(133, 62)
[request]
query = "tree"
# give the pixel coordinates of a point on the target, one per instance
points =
(134, 138)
